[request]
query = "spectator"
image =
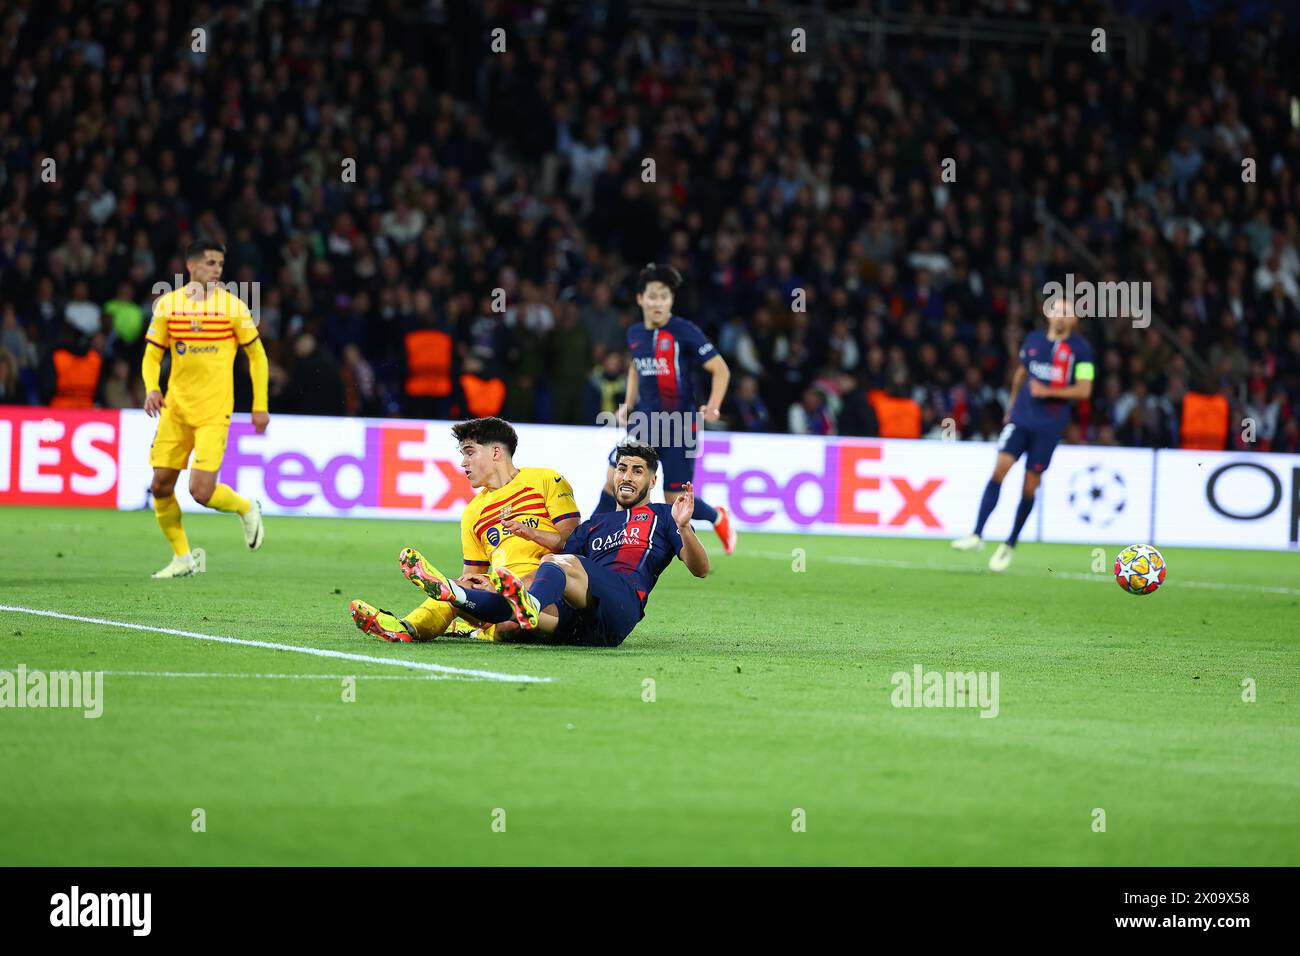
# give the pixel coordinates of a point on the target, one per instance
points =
(315, 386)
(81, 313)
(750, 412)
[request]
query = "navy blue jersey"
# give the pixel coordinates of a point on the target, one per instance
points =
(637, 544)
(666, 361)
(1056, 364)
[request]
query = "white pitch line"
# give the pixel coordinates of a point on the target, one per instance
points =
(217, 674)
(1070, 575)
(295, 648)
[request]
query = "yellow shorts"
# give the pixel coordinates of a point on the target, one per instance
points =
(176, 438)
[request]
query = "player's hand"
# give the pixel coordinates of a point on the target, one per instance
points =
(260, 421)
(684, 507)
(709, 414)
(1037, 389)
(154, 404)
(519, 529)
(476, 581)
(621, 415)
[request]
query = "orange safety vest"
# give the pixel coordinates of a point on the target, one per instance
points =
(898, 417)
(76, 378)
(484, 397)
(428, 363)
(1205, 421)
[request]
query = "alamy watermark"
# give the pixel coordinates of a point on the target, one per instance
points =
(1101, 300)
(660, 429)
(250, 293)
(74, 690)
(922, 688)
(75, 908)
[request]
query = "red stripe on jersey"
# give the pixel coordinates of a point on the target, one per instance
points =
(524, 511)
(523, 499)
(226, 314)
(636, 539)
(158, 344)
(665, 347)
(571, 514)
(203, 338)
(506, 501)
(1062, 363)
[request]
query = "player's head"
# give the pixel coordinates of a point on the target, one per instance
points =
(655, 287)
(205, 259)
(487, 447)
(1061, 319)
(635, 467)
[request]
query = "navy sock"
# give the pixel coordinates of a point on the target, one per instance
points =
(607, 503)
(704, 512)
(548, 585)
(1022, 515)
(987, 504)
(487, 606)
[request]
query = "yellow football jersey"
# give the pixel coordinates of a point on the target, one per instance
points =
(203, 336)
(538, 497)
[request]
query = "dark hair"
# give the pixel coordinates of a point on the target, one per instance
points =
(639, 450)
(198, 248)
(487, 431)
(657, 273)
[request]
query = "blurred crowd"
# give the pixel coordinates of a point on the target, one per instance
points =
(438, 228)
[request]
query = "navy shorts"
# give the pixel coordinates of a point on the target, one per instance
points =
(674, 465)
(1037, 444)
(613, 610)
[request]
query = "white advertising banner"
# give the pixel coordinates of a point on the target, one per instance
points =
(1228, 500)
(1095, 494)
(395, 468)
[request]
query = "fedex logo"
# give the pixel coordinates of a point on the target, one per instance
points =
(50, 457)
(850, 485)
(396, 469)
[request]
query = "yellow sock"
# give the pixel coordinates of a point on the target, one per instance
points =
(431, 619)
(168, 512)
(225, 498)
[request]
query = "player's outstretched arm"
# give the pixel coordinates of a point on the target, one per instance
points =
(151, 370)
(552, 541)
(721, 373)
(692, 554)
(259, 373)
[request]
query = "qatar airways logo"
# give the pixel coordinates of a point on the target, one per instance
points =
(630, 534)
(654, 366)
(1046, 370)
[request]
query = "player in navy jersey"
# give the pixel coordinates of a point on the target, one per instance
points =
(594, 593)
(667, 352)
(1055, 369)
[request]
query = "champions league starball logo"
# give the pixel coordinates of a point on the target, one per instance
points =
(1098, 495)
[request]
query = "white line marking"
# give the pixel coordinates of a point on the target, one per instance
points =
(215, 674)
(1102, 577)
(298, 649)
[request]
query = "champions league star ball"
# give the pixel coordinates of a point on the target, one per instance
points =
(1139, 569)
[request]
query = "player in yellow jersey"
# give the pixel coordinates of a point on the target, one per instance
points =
(523, 512)
(202, 325)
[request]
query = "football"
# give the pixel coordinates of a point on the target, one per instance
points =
(1140, 569)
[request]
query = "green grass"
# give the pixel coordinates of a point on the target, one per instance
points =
(773, 693)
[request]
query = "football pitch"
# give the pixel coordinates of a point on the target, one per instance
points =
(749, 719)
